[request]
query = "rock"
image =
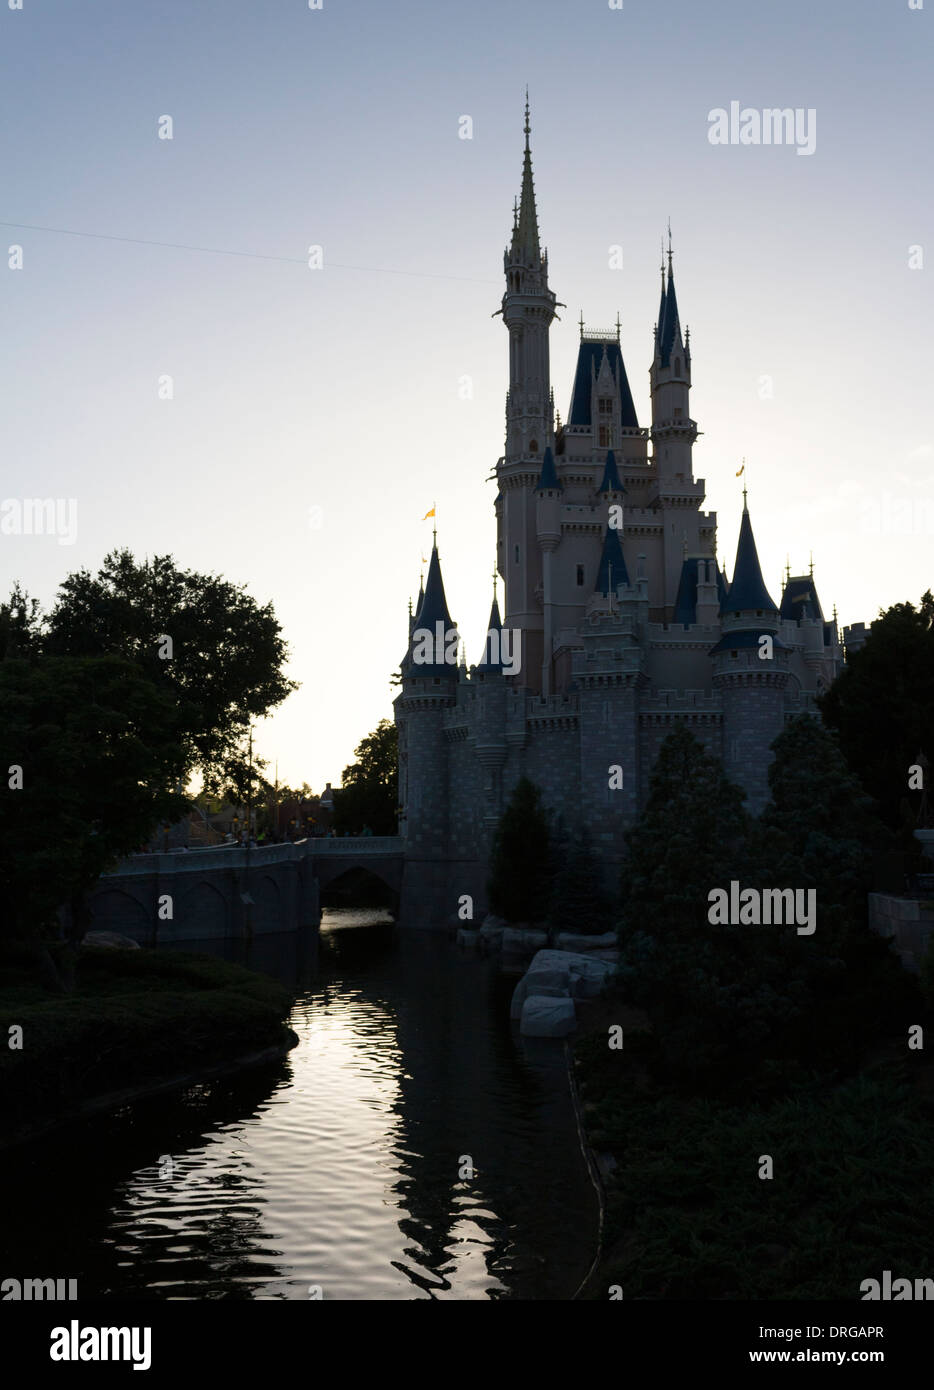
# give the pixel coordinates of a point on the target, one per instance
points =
(544, 1016)
(556, 973)
(586, 976)
(523, 940)
(111, 939)
(526, 987)
(568, 941)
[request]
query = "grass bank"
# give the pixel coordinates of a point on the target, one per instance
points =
(689, 1217)
(133, 1021)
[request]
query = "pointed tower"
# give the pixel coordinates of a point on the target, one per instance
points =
(750, 672)
(429, 688)
(673, 434)
(528, 308)
(490, 738)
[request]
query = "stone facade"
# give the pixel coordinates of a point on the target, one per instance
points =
(619, 614)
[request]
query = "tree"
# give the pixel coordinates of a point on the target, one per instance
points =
(199, 637)
(882, 707)
(730, 996)
(579, 902)
(696, 980)
(519, 885)
(138, 676)
(369, 793)
(824, 836)
(98, 746)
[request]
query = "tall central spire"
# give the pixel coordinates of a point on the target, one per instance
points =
(525, 232)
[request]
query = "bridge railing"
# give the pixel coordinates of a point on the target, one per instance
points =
(356, 845)
(215, 857)
(235, 856)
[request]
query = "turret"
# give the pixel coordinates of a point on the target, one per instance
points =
(673, 430)
(429, 687)
(750, 671)
(528, 308)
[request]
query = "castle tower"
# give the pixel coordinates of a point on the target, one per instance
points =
(429, 687)
(750, 671)
(528, 308)
(673, 434)
(548, 535)
(490, 746)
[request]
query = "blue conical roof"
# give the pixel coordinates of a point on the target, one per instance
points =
(747, 588)
(493, 659)
(611, 479)
(671, 321)
(549, 475)
(612, 558)
(434, 607)
(589, 358)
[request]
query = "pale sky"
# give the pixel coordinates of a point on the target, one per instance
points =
(340, 388)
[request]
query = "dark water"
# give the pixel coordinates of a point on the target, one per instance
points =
(345, 1166)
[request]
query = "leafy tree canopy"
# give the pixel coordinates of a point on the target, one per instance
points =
(200, 637)
(369, 795)
(882, 707)
(521, 871)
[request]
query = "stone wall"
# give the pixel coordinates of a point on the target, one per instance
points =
(909, 920)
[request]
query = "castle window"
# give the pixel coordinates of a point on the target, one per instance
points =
(734, 655)
(605, 405)
(580, 576)
(517, 555)
(677, 366)
(604, 442)
(437, 680)
(533, 447)
(678, 412)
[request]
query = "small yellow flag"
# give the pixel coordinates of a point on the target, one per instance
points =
(742, 470)
(428, 514)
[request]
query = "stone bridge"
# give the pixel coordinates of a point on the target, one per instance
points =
(229, 892)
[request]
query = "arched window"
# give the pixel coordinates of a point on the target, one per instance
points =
(677, 366)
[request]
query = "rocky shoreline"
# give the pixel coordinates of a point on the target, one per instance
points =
(558, 970)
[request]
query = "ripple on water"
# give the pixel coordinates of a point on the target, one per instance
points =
(408, 1148)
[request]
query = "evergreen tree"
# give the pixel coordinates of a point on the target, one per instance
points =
(882, 707)
(694, 978)
(820, 832)
(579, 902)
(519, 885)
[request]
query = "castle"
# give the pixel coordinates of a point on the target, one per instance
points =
(622, 619)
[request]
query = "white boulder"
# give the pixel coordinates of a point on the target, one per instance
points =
(544, 1016)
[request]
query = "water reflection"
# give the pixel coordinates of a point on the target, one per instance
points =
(407, 1148)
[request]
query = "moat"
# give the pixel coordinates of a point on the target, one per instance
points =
(345, 1167)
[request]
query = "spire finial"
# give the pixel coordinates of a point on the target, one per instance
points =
(582, 325)
(787, 568)
(494, 583)
(669, 246)
(618, 325)
(811, 570)
(528, 128)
